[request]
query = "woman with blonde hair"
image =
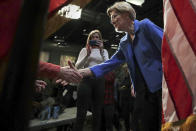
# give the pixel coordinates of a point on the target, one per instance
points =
(91, 90)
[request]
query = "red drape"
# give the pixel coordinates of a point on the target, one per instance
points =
(9, 15)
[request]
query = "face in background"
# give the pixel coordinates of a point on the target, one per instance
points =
(121, 21)
(95, 36)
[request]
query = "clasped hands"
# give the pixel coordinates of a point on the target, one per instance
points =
(69, 74)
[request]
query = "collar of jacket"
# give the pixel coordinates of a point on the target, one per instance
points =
(136, 29)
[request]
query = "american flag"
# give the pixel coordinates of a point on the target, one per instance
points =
(179, 60)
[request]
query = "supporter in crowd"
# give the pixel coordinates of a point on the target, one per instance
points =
(91, 90)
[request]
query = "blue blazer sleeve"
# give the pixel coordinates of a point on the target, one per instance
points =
(103, 68)
(154, 32)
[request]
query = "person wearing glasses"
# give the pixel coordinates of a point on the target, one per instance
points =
(140, 48)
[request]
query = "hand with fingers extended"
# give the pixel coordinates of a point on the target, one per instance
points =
(40, 85)
(69, 74)
(62, 82)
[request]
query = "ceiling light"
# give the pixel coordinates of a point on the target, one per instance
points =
(136, 2)
(70, 11)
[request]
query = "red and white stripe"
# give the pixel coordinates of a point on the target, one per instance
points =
(179, 59)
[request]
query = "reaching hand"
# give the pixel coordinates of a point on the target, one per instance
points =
(70, 74)
(62, 82)
(39, 85)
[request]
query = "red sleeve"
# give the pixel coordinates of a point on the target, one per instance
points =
(48, 70)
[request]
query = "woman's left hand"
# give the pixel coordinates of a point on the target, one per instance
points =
(100, 43)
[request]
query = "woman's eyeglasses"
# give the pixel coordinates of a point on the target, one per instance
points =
(113, 17)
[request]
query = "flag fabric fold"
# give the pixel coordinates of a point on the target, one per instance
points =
(179, 60)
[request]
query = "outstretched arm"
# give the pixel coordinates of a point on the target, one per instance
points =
(67, 73)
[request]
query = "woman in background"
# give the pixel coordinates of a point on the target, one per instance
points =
(91, 90)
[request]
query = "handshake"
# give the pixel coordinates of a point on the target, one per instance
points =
(69, 74)
(62, 75)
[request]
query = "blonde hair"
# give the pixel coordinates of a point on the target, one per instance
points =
(90, 36)
(122, 7)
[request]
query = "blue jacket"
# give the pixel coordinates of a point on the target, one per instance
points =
(147, 49)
